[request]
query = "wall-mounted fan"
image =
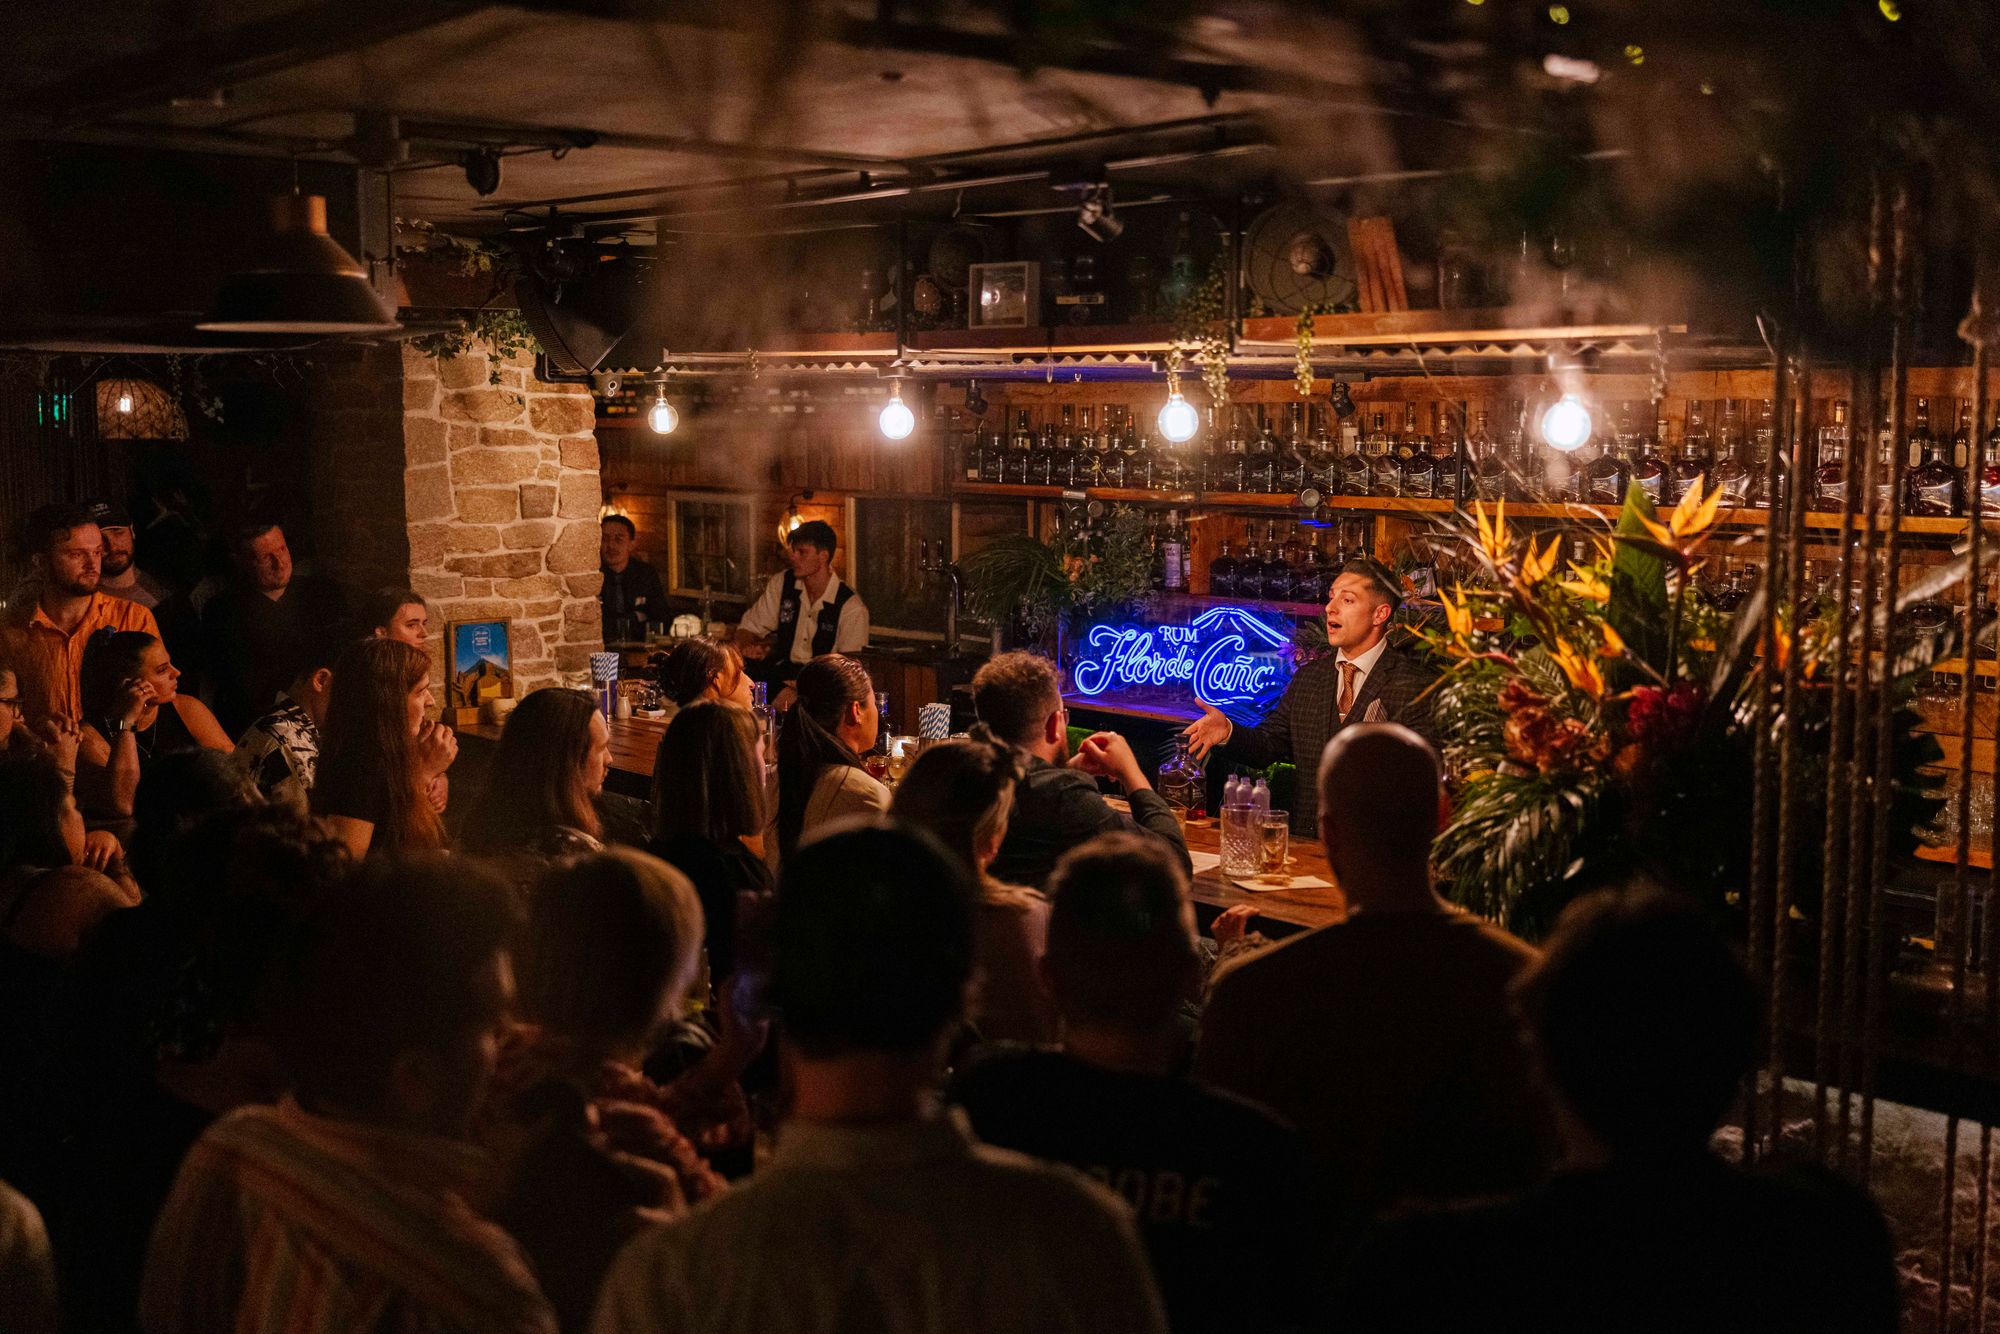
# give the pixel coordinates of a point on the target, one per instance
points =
(1294, 257)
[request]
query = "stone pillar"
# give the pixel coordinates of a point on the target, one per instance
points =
(481, 495)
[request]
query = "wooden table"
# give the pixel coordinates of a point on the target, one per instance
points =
(635, 741)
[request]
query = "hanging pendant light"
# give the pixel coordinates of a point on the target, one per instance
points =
(300, 281)
(897, 421)
(132, 409)
(662, 417)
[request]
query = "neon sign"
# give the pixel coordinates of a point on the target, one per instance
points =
(1225, 657)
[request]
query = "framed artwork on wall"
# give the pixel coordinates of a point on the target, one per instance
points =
(479, 666)
(1006, 296)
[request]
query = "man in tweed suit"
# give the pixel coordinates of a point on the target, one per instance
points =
(1365, 680)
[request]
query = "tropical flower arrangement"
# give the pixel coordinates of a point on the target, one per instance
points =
(1600, 717)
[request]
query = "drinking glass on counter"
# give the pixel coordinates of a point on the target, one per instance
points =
(1241, 855)
(1274, 842)
(902, 754)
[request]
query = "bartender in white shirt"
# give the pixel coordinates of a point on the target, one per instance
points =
(802, 613)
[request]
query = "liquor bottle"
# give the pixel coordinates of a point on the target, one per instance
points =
(1260, 473)
(973, 455)
(1451, 479)
(1649, 469)
(1140, 459)
(1323, 459)
(1385, 470)
(1356, 472)
(1063, 469)
(1605, 477)
(1829, 478)
(1524, 469)
(1420, 472)
(993, 461)
(1042, 458)
(1403, 445)
(1083, 470)
(1169, 469)
(1020, 447)
(1885, 462)
(1693, 462)
(1931, 489)
(1961, 439)
(1222, 573)
(1111, 456)
(1291, 470)
(1234, 457)
(1732, 475)
(1173, 550)
(1277, 581)
(1310, 580)
(1489, 469)
(1989, 475)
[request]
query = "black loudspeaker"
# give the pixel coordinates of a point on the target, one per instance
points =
(580, 302)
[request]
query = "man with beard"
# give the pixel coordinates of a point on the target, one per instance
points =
(253, 629)
(45, 635)
(1057, 805)
(1363, 680)
(122, 576)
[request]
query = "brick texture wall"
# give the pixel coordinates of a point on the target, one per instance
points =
(482, 496)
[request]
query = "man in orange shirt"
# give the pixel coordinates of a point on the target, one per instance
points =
(45, 638)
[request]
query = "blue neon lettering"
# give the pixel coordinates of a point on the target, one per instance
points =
(1225, 656)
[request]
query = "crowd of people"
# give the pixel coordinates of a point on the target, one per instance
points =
(297, 1038)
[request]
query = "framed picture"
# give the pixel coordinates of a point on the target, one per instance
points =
(479, 665)
(1006, 296)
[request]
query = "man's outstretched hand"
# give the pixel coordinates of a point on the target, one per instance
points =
(1206, 732)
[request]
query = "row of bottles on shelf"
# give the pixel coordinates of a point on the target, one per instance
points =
(1728, 442)
(1283, 569)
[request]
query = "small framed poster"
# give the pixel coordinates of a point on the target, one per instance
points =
(479, 666)
(1006, 296)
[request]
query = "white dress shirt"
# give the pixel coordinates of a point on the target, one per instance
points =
(850, 634)
(1363, 665)
(905, 1228)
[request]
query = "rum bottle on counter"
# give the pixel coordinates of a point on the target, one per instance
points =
(1961, 439)
(1062, 471)
(1649, 469)
(1930, 489)
(1489, 469)
(1356, 472)
(1693, 462)
(1222, 573)
(1732, 476)
(1112, 460)
(1234, 458)
(1277, 581)
(1385, 470)
(1829, 478)
(1020, 447)
(1310, 581)
(1081, 465)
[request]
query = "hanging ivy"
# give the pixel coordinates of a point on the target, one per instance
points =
(1201, 320)
(500, 328)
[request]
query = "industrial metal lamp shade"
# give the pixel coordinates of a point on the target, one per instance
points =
(138, 410)
(301, 282)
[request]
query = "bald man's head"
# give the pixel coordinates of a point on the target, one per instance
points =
(1379, 789)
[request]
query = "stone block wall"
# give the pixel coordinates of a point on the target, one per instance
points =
(482, 496)
(501, 496)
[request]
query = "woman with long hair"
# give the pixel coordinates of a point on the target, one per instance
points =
(701, 668)
(963, 792)
(708, 815)
(541, 787)
(379, 753)
(133, 712)
(830, 725)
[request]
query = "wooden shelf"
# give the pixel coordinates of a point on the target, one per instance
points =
(1979, 859)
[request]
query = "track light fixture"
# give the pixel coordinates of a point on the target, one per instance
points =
(1095, 217)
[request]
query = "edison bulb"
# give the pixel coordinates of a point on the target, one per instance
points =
(125, 403)
(897, 420)
(662, 417)
(1566, 425)
(1178, 419)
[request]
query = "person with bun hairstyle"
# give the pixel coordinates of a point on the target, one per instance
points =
(963, 793)
(701, 668)
(820, 778)
(379, 753)
(133, 713)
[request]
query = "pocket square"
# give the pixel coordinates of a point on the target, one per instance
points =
(1375, 713)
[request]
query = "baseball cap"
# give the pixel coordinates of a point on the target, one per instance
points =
(108, 513)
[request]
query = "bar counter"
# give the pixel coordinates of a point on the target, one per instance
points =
(634, 741)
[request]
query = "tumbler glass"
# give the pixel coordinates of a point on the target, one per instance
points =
(1240, 855)
(1274, 843)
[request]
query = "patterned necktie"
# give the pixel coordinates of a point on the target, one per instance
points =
(1347, 673)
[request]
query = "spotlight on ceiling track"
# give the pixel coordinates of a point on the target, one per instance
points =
(482, 170)
(1094, 215)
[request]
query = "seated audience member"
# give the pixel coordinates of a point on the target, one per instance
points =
(880, 1211)
(397, 613)
(253, 628)
(832, 724)
(546, 772)
(1646, 1024)
(1057, 805)
(44, 636)
(1214, 1181)
(280, 751)
(54, 890)
(349, 1204)
(612, 947)
(27, 1270)
(380, 752)
(962, 792)
(1387, 1038)
(695, 669)
(133, 713)
(174, 1002)
(708, 815)
(55, 737)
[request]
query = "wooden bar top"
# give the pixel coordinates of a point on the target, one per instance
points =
(634, 742)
